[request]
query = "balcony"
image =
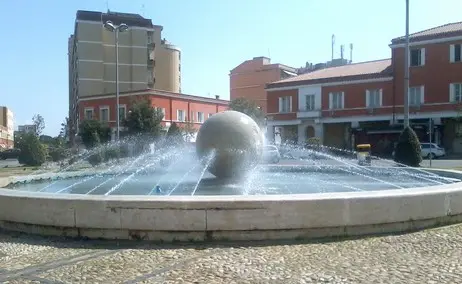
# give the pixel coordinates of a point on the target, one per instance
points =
(308, 113)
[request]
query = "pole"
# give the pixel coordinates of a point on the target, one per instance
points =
(406, 70)
(430, 122)
(117, 82)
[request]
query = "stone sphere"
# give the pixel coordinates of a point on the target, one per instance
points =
(234, 141)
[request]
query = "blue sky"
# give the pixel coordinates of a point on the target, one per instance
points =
(214, 35)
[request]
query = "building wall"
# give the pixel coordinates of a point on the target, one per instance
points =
(167, 68)
(169, 105)
(249, 80)
(6, 127)
(436, 75)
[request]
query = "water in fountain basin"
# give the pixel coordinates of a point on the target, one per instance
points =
(183, 176)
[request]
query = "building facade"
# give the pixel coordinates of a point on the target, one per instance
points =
(363, 102)
(6, 128)
(179, 108)
(249, 79)
(146, 60)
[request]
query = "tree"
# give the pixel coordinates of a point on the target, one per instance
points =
(408, 151)
(188, 131)
(250, 108)
(64, 132)
(144, 119)
(93, 132)
(33, 153)
(174, 134)
(39, 123)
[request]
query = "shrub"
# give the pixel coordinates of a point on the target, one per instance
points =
(33, 153)
(96, 158)
(408, 151)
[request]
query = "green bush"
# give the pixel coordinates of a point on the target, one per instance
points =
(408, 151)
(96, 158)
(57, 153)
(111, 153)
(33, 153)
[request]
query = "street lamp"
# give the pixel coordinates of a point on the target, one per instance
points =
(406, 70)
(116, 29)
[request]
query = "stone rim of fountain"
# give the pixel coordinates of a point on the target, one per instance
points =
(206, 218)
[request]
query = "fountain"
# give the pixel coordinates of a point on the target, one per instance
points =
(222, 191)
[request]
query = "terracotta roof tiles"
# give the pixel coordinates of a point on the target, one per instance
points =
(444, 30)
(362, 70)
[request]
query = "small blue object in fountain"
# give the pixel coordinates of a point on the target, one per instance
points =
(158, 190)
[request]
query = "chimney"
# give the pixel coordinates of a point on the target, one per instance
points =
(217, 97)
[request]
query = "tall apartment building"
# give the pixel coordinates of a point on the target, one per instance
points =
(145, 59)
(6, 128)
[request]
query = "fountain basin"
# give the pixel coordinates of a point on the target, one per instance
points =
(232, 217)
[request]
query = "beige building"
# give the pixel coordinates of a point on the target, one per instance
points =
(145, 59)
(6, 128)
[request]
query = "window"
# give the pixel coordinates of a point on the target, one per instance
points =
(122, 112)
(180, 115)
(416, 96)
(309, 102)
(200, 117)
(285, 104)
(191, 116)
(374, 98)
(104, 114)
(455, 93)
(336, 100)
(88, 113)
(455, 53)
(417, 57)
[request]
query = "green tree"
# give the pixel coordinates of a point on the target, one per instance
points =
(93, 132)
(174, 134)
(144, 119)
(250, 108)
(188, 130)
(64, 132)
(408, 151)
(39, 123)
(33, 153)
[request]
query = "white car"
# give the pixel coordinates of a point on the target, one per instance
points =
(271, 154)
(432, 149)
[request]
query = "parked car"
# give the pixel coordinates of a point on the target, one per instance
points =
(10, 154)
(271, 154)
(433, 150)
(430, 149)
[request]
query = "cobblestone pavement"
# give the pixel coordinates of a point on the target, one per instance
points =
(431, 256)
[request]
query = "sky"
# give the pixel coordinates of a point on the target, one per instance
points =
(214, 35)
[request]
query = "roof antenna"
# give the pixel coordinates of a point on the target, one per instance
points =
(269, 54)
(107, 6)
(333, 45)
(351, 53)
(143, 11)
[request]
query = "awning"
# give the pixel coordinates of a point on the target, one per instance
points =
(389, 131)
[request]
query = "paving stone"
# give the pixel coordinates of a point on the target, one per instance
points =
(431, 256)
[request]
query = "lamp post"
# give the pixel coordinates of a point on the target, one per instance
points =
(406, 70)
(108, 25)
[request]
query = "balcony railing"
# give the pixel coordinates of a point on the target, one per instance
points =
(307, 113)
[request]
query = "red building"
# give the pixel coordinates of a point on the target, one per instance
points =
(363, 102)
(249, 79)
(179, 108)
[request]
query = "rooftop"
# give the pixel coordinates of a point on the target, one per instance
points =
(446, 30)
(362, 70)
(161, 93)
(116, 17)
